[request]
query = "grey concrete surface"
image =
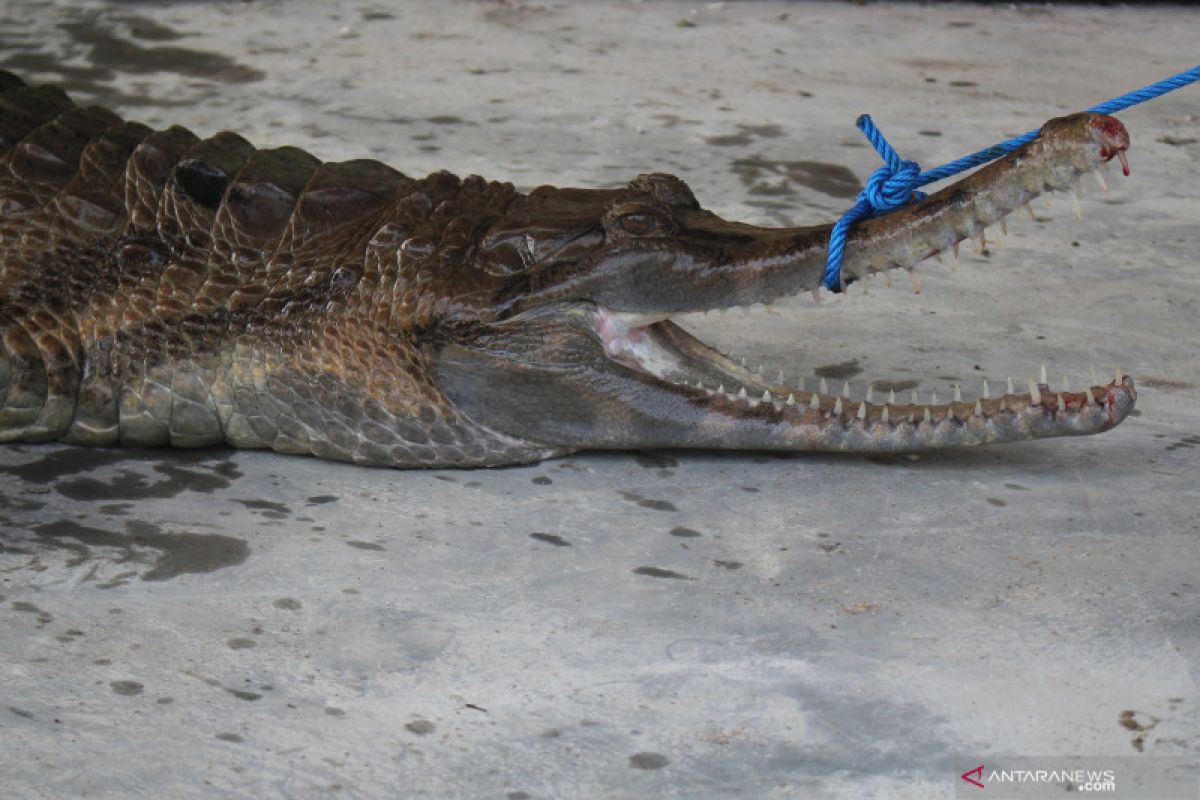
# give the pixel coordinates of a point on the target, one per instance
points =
(683, 624)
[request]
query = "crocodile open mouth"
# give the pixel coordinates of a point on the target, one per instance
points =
(830, 418)
(816, 415)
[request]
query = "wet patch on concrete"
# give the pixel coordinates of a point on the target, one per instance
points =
(727, 564)
(894, 386)
(43, 617)
(842, 370)
(1185, 442)
(651, 460)
(178, 553)
(684, 533)
(765, 176)
(541, 480)
(241, 694)
(658, 572)
(997, 502)
(366, 546)
(648, 761)
(267, 508)
(20, 712)
(321, 499)
(550, 538)
(99, 48)
(183, 470)
(288, 604)
(421, 727)
(241, 643)
(126, 688)
(230, 737)
(644, 502)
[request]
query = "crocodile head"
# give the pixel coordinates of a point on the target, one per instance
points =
(564, 339)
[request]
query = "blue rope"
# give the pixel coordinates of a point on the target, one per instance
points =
(895, 184)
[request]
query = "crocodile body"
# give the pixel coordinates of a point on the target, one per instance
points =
(161, 288)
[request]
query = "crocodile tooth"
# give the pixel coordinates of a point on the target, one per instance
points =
(914, 275)
(978, 408)
(957, 393)
(791, 399)
(837, 407)
(886, 415)
(1011, 388)
(986, 391)
(870, 394)
(1076, 205)
(1035, 395)
(823, 387)
(1042, 378)
(742, 393)
(892, 396)
(846, 390)
(814, 402)
(766, 397)
(1062, 404)
(1100, 180)
(862, 411)
(927, 416)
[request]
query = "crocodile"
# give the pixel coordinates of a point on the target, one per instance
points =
(158, 288)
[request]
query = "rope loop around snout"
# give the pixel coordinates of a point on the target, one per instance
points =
(895, 184)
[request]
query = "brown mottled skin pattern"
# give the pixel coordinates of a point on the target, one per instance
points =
(158, 288)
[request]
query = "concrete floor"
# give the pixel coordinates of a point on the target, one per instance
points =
(683, 624)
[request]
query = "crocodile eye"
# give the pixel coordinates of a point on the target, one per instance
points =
(639, 223)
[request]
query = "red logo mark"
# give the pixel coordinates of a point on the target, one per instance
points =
(977, 780)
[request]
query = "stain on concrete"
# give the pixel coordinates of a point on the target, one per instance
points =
(20, 712)
(267, 508)
(541, 480)
(288, 604)
(321, 499)
(126, 688)
(841, 370)
(658, 572)
(684, 533)
(728, 564)
(366, 546)
(997, 502)
(648, 761)
(644, 502)
(334, 711)
(184, 470)
(421, 727)
(178, 553)
(651, 460)
(550, 538)
(1185, 442)
(894, 386)
(241, 643)
(230, 737)
(244, 695)
(106, 49)
(777, 176)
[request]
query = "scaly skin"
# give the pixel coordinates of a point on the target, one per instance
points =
(156, 288)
